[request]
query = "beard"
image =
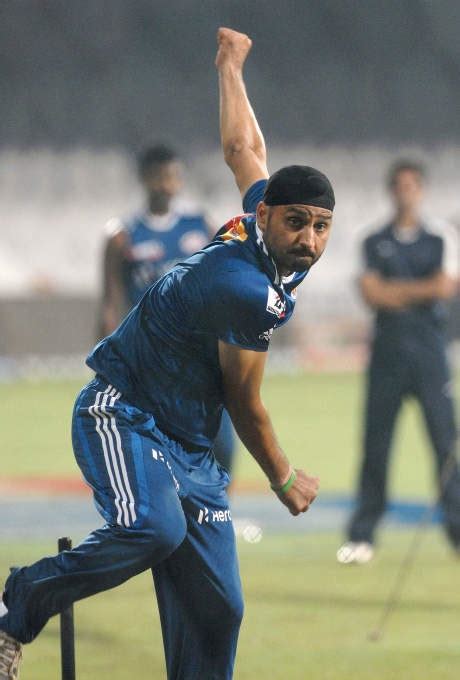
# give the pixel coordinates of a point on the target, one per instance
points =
(288, 263)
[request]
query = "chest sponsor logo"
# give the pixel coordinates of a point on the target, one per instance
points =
(149, 250)
(205, 515)
(386, 248)
(192, 241)
(275, 305)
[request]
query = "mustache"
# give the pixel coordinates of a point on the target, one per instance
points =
(303, 252)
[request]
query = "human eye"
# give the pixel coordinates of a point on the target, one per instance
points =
(294, 221)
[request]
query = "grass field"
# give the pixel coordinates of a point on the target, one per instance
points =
(316, 417)
(306, 616)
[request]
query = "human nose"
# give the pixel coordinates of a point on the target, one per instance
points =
(307, 237)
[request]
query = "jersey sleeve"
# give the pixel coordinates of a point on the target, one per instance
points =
(114, 226)
(254, 195)
(240, 313)
(370, 259)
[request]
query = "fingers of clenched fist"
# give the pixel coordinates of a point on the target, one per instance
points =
(301, 494)
(233, 46)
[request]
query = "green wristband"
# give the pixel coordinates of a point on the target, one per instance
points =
(287, 485)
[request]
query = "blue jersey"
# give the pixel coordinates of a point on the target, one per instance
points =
(164, 356)
(154, 244)
(393, 258)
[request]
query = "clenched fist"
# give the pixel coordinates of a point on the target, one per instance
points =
(233, 48)
(301, 494)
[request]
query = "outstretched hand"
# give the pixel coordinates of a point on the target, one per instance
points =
(301, 494)
(233, 48)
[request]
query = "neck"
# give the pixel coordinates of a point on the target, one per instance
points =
(158, 205)
(406, 219)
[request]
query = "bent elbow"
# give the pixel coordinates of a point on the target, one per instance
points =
(240, 148)
(234, 148)
(449, 289)
(367, 295)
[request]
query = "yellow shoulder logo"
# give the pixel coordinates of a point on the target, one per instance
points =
(235, 229)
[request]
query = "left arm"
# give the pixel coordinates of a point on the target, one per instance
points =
(114, 304)
(242, 372)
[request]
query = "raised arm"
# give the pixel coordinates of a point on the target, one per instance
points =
(242, 140)
(242, 372)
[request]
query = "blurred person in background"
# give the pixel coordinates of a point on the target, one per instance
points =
(139, 250)
(410, 272)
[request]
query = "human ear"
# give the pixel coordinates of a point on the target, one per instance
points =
(262, 215)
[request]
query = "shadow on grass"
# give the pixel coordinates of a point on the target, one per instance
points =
(347, 601)
(82, 635)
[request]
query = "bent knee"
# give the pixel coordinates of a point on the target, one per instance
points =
(170, 535)
(231, 610)
(162, 535)
(236, 608)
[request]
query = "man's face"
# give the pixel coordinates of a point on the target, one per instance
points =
(163, 182)
(407, 190)
(295, 235)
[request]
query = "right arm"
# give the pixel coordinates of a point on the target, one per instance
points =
(114, 303)
(242, 140)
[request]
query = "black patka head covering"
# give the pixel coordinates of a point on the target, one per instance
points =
(299, 184)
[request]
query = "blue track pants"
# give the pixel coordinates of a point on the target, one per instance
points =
(165, 509)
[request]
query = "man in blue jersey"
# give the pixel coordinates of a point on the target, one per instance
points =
(139, 250)
(410, 270)
(145, 246)
(143, 428)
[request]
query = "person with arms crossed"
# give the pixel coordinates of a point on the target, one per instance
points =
(143, 428)
(144, 247)
(411, 269)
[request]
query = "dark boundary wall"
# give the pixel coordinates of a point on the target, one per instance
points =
(47, 326)
(66, 326)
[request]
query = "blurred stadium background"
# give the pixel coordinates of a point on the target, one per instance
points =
(345, 86)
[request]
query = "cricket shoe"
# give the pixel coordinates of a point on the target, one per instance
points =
(10, 656)
(359, 552)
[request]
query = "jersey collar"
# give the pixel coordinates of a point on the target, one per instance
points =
(267, 259)
(406, 236)
(161, 223)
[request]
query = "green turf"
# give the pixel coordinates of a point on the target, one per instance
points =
(306, 618)
(317, 417)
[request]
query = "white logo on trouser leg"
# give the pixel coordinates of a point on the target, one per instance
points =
(157, 455)
(204, 515)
